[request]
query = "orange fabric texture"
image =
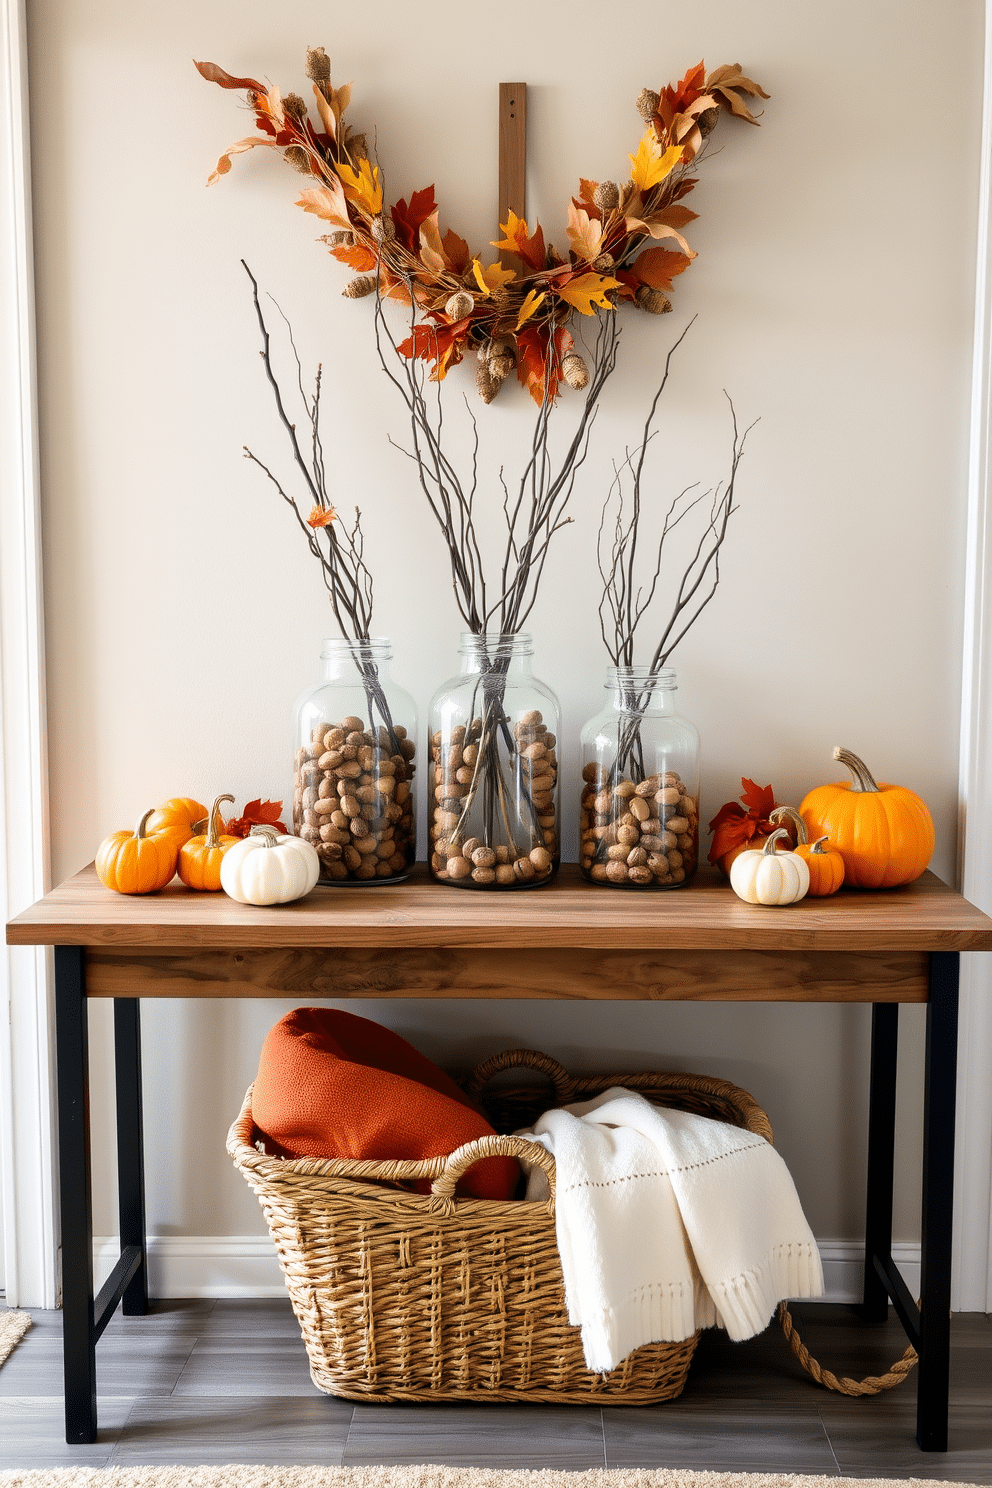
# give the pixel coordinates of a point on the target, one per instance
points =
(331, 1084)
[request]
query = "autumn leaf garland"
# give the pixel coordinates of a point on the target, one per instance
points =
(512, 320)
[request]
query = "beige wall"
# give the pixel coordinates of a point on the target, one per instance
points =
(833, 291)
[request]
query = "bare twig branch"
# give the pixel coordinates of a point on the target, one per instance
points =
(345, 573)
(625, 600)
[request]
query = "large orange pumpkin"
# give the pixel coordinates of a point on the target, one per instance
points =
(137, 862)
(200, 857)
(883, 832)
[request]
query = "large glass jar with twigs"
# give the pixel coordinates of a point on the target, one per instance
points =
(639, 821)
(494, 786)
(353, 790)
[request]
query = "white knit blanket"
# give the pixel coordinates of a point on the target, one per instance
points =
(668, 1222)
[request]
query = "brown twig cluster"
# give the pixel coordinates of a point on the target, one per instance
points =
(535, 507)
(626, 596)
(339, 550)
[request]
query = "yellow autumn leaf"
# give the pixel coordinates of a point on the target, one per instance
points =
(650, 166)
(528, 307)
(492, 277)
(587, 290)
(363, 187)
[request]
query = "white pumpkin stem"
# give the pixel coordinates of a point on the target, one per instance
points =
(817, 847)
(212, 821)
(769, 848)
(139, 830)
(791, 814)
(860, 773)
(263, 830)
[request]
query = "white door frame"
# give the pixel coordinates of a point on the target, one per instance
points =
(972, 1291)
(27, 1093)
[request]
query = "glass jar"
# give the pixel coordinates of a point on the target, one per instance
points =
(494, 787)
(353, 795)
(639, 820)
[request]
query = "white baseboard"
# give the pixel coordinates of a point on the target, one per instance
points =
(246, 1266)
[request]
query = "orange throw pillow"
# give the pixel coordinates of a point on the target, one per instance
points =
(331, 1084)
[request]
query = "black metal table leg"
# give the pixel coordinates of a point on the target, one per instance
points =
(79, 1330)
(881, 1147)
(940, 1091)
(130, 1149)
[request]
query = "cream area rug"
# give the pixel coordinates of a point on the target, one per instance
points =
(424, 1477)
(13, 1326)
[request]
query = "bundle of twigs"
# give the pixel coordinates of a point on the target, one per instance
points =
(628, 591)
(338, 548)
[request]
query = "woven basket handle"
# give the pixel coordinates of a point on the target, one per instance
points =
(872, 1384)
(463, 1158)
(564, 1084)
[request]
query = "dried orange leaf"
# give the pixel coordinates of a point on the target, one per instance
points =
(326, 113)
(224, 163)
(326, 202)
(657, 267)
(215, 74)
(584, 234)
(658, 229)
(432, 254)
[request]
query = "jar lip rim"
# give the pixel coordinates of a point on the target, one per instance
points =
(520, 641)
(330, 644)
(662, 678)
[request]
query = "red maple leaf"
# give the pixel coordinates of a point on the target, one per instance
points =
(676, 100)
(539, 362)
(408, 219)
(442, 345)
(256, 813)
(733, 826)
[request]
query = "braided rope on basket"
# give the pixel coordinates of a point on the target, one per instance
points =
(872, 1384)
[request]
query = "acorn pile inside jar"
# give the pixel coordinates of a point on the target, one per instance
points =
(638, 835)
(353, 800)
(479, 838)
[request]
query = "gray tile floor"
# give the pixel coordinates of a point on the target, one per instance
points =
(207, 1382)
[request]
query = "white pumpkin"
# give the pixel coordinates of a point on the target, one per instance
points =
(764, 876)
(269, 867)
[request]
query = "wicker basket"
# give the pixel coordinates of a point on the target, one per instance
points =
(402, 1296)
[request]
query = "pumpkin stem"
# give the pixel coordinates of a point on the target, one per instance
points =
(269, 833)
(862, 778)
(212, 821)
(769, 848)
(791, 814)
(818, 847)
(139, 830)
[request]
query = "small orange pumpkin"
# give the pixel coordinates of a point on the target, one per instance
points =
(826, 867)
(200, 857)
(177, 816)
(883, 832)
(137, 862)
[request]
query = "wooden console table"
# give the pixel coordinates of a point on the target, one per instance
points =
(568, 940)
